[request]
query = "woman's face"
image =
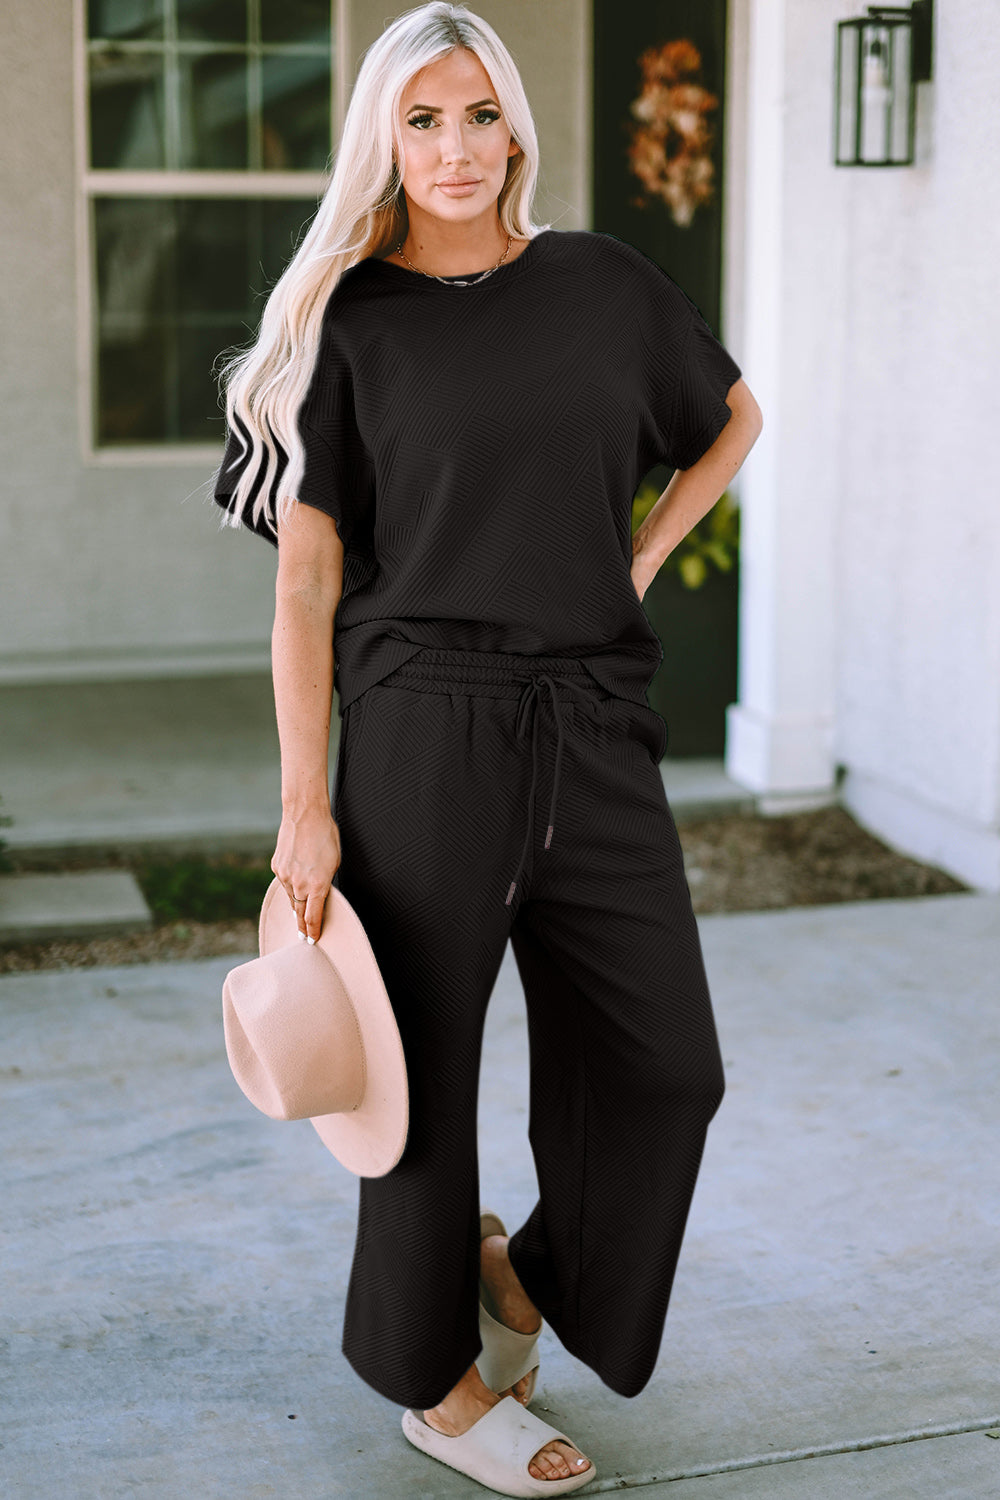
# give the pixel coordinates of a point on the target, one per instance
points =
(456, 140)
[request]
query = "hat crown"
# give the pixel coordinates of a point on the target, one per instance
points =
(292, 1034)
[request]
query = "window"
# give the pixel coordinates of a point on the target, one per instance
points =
(209, 129)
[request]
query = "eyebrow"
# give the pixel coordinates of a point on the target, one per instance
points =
(435, 109)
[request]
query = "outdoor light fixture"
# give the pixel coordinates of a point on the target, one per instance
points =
(881, 58)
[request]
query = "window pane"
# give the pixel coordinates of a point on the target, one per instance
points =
(212, 20)
(126, 109)
(130, 234)
(220, 85)
(295, 21)
(282, 229)
(213, 111)
(295, 124)
(126, 20)
(180, 281)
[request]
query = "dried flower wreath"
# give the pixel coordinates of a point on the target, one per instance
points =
(671, 141)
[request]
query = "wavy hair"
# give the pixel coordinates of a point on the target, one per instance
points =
(362, 212)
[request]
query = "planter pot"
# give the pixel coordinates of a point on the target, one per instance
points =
(697, 679)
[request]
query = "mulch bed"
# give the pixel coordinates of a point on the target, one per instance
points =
(174, 940)
(752, 863)
(739, 862)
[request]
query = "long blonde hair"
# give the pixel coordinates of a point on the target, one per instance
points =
(362, 212)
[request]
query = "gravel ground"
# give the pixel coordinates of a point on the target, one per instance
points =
(734, 863)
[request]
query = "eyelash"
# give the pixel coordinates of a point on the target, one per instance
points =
(492, 114)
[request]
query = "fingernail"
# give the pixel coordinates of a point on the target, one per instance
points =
(302, 937)
(312, 942)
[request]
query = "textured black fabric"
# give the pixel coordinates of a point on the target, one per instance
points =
(430, 790)
(479, 447)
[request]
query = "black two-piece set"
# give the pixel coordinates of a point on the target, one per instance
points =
(498, 777)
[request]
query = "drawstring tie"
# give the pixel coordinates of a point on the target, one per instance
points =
(531, 696)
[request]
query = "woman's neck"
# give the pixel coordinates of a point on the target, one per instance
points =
(447, 250)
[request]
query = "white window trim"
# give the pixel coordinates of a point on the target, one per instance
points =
(207, 184)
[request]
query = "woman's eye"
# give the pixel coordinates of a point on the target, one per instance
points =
(483, 116)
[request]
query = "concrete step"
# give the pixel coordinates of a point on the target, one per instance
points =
(86, 904)
(186, 767)
(155, 765)
(701, 789)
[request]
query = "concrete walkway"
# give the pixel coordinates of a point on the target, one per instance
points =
(175, 1264)
(190, 763)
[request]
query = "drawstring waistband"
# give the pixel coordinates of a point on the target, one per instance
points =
(504, 674)
(531, 694)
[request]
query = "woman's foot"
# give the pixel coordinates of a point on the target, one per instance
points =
(513, 1305)
(471, 1399)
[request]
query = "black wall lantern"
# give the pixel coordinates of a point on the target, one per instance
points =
(881, 58)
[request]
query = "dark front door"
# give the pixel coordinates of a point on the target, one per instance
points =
(658, 131)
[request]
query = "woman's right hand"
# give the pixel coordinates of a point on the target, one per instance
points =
(306, 858)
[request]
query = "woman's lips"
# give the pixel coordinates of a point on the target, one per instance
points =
(458, 189)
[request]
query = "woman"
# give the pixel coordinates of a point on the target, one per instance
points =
(455, 406)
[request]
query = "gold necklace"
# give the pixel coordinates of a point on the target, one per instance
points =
(449, 281)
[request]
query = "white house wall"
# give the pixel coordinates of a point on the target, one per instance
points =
(919, 670)
(113, 566)
(870, 626)
(103, 568)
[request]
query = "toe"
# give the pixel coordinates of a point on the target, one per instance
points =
(557, 1460)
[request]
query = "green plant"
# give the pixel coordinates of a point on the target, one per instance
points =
(198, 889)
(5, 861)
(713, 543)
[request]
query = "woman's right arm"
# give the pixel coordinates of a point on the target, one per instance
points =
(307, 592)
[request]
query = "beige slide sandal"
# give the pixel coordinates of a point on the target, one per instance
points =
(497, 1449)
(507, 1355)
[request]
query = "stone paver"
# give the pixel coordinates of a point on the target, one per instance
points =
(87, 903)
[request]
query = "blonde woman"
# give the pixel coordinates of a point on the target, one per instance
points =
(441, 425)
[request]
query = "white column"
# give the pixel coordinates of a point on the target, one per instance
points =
(780, 732)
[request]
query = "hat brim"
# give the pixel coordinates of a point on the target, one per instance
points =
(368, 1140)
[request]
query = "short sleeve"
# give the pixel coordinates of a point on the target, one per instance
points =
(234, 461)
(338, 472)
(686, 372)
(336, 477)
(707, 371)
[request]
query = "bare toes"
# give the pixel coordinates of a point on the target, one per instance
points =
(518, 1391)
(557, 1460)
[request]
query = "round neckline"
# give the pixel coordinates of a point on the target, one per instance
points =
(529, 253)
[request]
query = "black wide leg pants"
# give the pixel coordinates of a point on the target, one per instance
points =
(446, 774)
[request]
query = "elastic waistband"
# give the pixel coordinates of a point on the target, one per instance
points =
(487, 674)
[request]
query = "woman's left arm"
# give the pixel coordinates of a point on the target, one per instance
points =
(692, 492)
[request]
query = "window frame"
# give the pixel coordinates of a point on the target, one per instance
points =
(94, 183)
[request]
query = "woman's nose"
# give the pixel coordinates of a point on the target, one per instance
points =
(453, 148)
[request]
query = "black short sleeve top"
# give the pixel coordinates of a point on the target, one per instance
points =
(478, 448)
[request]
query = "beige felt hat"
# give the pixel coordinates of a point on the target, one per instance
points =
(311, 1034)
